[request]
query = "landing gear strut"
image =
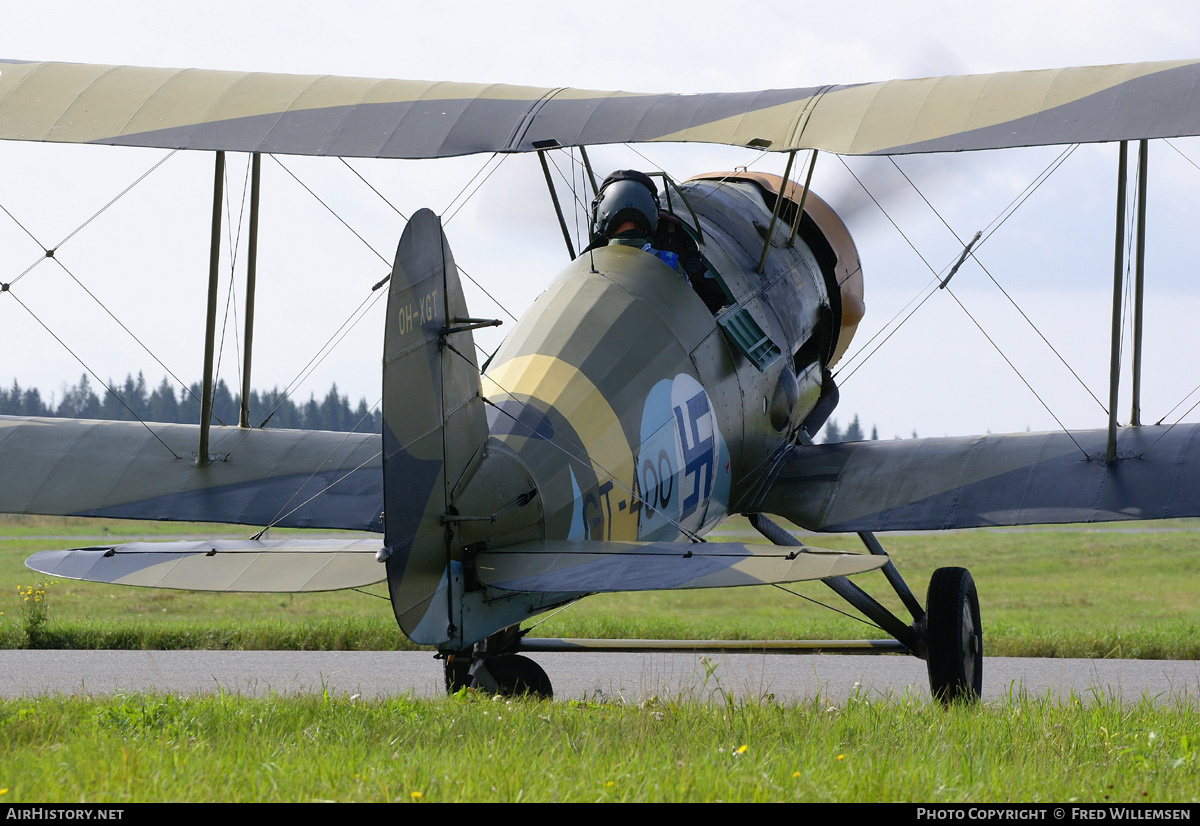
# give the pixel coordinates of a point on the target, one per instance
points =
(947, 634)
(488, 667)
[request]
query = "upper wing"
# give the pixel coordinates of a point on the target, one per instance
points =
(360, 117)
(126, 470)
(972, 481)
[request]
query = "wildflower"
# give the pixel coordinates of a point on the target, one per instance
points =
(741, 749)
(609, 784)
(795, 775)
(4, 790)
(416, 796)
(840, 757)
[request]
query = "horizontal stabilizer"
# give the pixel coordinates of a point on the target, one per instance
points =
(997, 479)
(588, 566)
(269, 566)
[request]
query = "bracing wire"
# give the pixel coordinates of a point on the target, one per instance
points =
(928, 266)
(123, 326)
(1002, 216)
(93, 374)
(359, 312)
(820, 604)
(1024, 381)
(397, 210)
(990, 230)
(49, 253)
(331, 211)
(371, 187)
(569, 181)
(990, 340)
(235, 240)
(447, 211)
(281, 515)
(1191, 392)
(356, 315)
(235, 243)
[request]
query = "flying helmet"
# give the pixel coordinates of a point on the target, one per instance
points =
(625, 195)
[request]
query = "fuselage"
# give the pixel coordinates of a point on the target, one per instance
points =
(628, 409)
(634, 413)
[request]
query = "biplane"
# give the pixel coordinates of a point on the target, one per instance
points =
(641, 401)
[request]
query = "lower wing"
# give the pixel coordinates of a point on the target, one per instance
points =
(129, 470)
(974, 481)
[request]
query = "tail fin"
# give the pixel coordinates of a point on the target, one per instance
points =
(434, 426)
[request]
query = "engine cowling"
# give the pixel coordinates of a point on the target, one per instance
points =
(827, 236)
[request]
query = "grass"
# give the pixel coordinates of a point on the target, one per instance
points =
(473, 748)
(1084, 593)
(1052, 592)
(1097, 592)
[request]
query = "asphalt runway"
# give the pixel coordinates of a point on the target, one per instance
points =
(624, 677)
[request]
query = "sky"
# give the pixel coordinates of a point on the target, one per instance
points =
(144, 260)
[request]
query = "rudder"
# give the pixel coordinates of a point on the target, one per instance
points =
(434, 426)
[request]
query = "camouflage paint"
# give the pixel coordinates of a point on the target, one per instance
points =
(389, 118)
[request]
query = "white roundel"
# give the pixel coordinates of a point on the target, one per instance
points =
(682, 468)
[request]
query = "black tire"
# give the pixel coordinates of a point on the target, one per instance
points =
(954, 637)
(518, 676)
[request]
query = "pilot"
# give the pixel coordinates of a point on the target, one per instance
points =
(627, 212)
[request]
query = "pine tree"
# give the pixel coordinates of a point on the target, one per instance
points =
(312, 414)
(31, 403)
(79, 402)
(130, 399)
(335, 411)
(224, 406)
(853, 432)
(10, 401)
(111, 408)
(189, 404)
(164, 407)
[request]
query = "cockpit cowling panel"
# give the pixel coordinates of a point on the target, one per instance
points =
(825, 235)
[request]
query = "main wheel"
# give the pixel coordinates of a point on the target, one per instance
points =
(954, 637)
(516, 676)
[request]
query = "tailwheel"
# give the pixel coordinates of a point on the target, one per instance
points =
(954, 637)
(457, 671)
(516, 676)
